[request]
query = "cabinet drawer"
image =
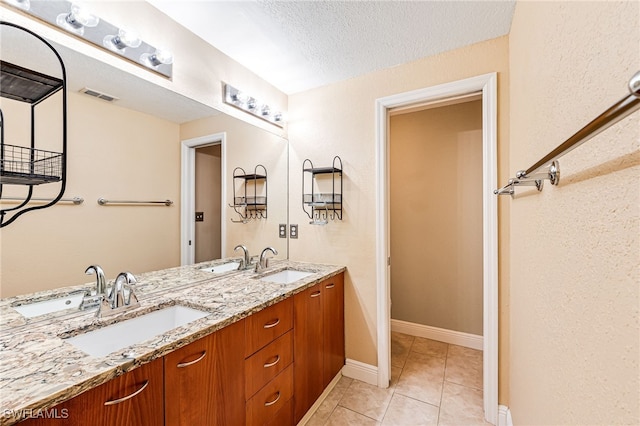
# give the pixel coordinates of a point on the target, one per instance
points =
(270, 399)
(267, 363)
(284, 417)
(264, 326)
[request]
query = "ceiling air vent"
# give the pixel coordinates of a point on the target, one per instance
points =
(98, 95)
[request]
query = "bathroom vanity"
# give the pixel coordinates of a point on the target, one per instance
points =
(262, 350)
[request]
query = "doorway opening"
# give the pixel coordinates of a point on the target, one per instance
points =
(486, 86)
(212, 150)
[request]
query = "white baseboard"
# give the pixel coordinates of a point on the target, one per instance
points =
(504, 416)
(359, 370)
(472, 341)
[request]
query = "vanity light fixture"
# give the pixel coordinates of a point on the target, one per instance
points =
(77, 20)
(251, 105)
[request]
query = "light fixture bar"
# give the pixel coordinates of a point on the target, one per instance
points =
(251, 105)
(79, 21)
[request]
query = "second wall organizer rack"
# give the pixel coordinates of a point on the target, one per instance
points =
(250, 194)
(322, 191)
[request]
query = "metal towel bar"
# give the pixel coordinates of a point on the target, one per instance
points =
(618, 111)
(74, 200)
(104, 202)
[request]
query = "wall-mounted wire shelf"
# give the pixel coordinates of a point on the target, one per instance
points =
(20, 165)
(319, 204)
(27, 164)
(248, 204)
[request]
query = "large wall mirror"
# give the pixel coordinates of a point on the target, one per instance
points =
(130, 149)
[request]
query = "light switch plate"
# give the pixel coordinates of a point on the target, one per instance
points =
(282, 230)
(293, 231)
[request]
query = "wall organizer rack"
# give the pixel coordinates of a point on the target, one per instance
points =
(322, 191)
(249, 194)
(29, 166)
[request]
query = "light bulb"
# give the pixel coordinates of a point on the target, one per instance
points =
(22, 4)
(76, 20)
(159, 57)
(120, 42)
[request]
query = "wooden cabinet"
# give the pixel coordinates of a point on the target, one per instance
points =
(268, 369)
(133, 399)
(318, 340)
(204, 381)
(333, 321)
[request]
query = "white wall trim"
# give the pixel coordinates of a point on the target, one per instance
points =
(487, 84)
(188, 193)
(459, 338)
(360, 371)
(504, 416)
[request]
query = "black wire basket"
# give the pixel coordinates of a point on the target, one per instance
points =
(20, 165)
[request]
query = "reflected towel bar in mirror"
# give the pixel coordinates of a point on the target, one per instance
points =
(104, 202)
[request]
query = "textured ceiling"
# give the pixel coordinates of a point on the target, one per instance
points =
(298, 45)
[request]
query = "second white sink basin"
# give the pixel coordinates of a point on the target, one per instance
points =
(286, 277)
(70, 301)
(106, 340)
(225, 267)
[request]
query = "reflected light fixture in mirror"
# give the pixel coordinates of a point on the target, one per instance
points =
(78, 20)
(251, 105)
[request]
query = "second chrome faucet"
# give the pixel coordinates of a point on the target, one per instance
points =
(262, 262)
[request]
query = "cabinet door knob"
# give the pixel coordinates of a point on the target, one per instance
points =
(271, 364)
(268, 403)
(272, 323)
(186, 364)
(332, 285)
(118, 401)
(315, 294)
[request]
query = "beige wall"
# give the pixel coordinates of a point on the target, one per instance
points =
(339, 119)
(436, 217)
(114, 153)
(208, 193)
(247, 146)
(575, 248)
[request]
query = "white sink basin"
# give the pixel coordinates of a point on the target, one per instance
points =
(225, 267)
(286, 277)
(35, 309)
(104, 341)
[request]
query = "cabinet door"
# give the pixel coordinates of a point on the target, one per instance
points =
(133, 399)
(333, 319)
(204, 381)
(308, 348)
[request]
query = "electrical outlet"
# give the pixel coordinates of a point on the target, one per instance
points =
(293, 231)
(282, 230)
(199, 216)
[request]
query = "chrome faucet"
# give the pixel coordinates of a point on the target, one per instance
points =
(123, 281)
(120, 297)
(101, 283)
(245, 263)
(263, 262)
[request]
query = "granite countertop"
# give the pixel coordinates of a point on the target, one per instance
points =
(38, 369)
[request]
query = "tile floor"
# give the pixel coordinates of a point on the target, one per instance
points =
(432, 383)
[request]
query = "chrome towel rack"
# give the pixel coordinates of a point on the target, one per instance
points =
(74, 200)
(104, 202)
(549, 168)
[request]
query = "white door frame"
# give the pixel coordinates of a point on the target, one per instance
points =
(487, 84)
(188, 194)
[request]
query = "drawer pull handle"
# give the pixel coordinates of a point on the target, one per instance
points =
(271, 364)
(118, 401)
(272, 323)
(186, 364)
(268, 403)
(315, 294)
(332, 285)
